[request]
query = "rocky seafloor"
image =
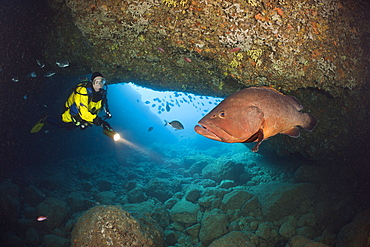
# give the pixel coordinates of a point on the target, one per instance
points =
(220, 196)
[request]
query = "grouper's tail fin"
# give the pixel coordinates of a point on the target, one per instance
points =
(309, 122)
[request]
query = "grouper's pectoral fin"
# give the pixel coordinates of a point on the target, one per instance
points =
(256, 136)
(259, 140)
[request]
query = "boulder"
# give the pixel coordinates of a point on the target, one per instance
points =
(171, 237)
(299, 241)
(197, 167)
(287, 229)
(248, 207)
(192, 194)
(160, 188)
(106, 197)
(234, 239)
(263, 230)
(55, 209)
(136, 195)
(222, 170)
(78, 202)
(281, 199)
(33, 195)
(311, 174)
(32, 237)
(104, 185)
(111, 225)
(355, 233)
(185, 212)
(156, 211)
(9, 206)
(235, 200)
(193, 230)
(56, 241)
(11, 239)
(171, 202)
(227, 184)
(213, 225)
(206, 201)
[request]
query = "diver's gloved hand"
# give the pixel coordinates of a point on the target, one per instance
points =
(108, 115)
(83, 126)
(100, 122)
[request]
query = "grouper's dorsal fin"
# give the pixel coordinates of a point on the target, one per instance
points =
(290, 99)
(294, 102)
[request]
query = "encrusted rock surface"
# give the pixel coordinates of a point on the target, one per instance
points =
(218, 44)
(110, 225)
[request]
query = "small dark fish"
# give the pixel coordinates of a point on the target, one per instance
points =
(150, 129)
(40, 63)
(62, 64)
(175, 124)
(32, 74)
(147, 102)
(49, 74)
(168, 108)
(153, 105)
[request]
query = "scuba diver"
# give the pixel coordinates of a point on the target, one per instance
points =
(82, 107)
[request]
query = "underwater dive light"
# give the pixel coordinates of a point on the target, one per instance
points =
(111, 134)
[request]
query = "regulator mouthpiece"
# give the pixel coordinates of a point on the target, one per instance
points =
(112, 134)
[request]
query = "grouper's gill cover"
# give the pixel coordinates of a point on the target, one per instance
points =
(253, 115)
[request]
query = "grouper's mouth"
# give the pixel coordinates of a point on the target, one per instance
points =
(209, 131)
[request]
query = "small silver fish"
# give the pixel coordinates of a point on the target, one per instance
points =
(49, 74)
(15, 79)
(25, 97)
(32, 74)
(40, 63)
(62, 64)
(42, 218)
(174, 124)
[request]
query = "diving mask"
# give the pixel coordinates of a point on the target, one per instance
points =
(99, 81)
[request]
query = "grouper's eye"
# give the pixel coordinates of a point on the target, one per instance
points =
(222, 114)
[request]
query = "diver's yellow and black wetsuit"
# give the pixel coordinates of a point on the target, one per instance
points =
(84, 105)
